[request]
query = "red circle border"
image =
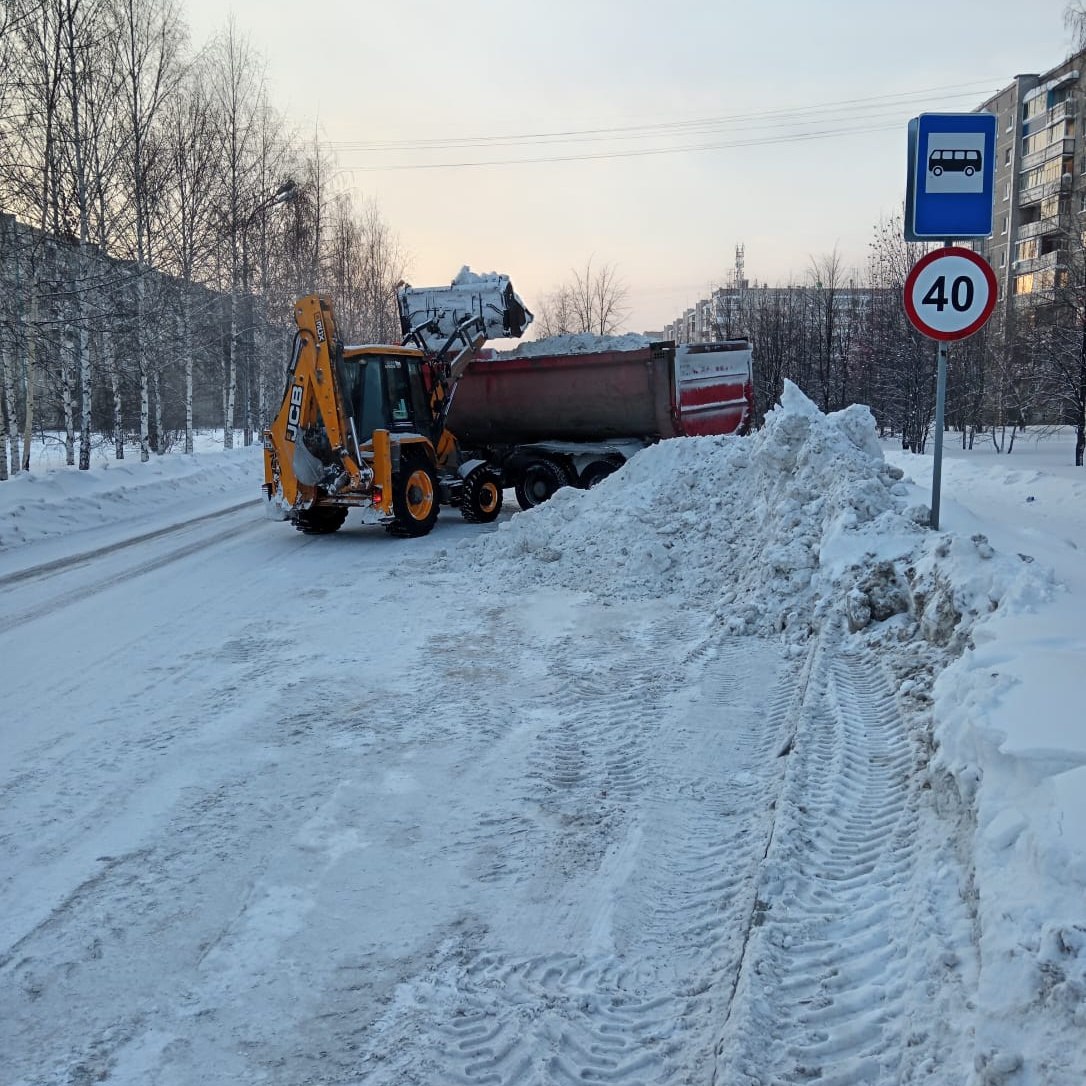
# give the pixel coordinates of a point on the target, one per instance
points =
(921, 264)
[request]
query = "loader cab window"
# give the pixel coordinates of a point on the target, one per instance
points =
(409, 406)
(399, 394)
(367, 398)
(385, 394)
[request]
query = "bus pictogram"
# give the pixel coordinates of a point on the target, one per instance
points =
(945, 160)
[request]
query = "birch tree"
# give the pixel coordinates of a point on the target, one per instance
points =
(147, 35)
(238, 90)
(192, 145)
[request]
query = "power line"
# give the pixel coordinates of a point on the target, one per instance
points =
(795, 137)
(840, 109)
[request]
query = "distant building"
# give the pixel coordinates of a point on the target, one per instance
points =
(1040, 181)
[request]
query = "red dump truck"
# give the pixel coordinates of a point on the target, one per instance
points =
(571, 410)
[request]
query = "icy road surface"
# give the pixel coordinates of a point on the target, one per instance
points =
(625, 789)
(298, 810)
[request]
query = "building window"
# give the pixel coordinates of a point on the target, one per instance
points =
(1007, 157)
(1003, 258)
(1005, 224)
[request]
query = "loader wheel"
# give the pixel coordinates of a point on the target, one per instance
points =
(414, 499)
(596, 472)
(539, 481)
(481, 496)
(320, 521)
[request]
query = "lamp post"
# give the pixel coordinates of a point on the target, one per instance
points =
(283, 194)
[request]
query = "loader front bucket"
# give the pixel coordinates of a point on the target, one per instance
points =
(438, 311)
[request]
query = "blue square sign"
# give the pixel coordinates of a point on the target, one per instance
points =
(950, 192)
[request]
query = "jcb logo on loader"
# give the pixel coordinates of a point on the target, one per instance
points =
(320, 329)
(294, 416)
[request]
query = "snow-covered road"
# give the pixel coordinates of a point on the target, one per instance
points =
(607, 792)
(295, 809)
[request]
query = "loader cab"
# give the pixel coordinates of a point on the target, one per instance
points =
(384, 389)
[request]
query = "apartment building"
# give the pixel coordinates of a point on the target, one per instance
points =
(726, 313)
(1040, 182)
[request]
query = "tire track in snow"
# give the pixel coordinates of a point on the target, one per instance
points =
(654, 821)
(823, 986)
(93, 588)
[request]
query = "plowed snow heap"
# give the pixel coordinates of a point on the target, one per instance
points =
(772, 533)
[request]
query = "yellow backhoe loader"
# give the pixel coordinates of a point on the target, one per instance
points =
(364, 427)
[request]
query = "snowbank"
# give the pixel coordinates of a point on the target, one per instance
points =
(124, 496)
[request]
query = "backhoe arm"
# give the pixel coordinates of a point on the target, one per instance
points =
(312, 399)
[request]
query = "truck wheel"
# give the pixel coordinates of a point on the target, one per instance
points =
(414, 499)
(596, 472)
(481, 496)
(320, 521)
(538, 482)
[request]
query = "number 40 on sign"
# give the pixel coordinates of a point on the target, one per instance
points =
(950, 293)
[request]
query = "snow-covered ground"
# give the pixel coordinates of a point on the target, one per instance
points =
(729, 770)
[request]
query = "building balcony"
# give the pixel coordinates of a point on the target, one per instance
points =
(1045, 262)
(1061, 112)
(1056, 149)
(1036, 193)
(1053, 224)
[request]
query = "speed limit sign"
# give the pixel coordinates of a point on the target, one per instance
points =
(950, 293)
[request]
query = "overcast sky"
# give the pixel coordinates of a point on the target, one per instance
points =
(624, 82)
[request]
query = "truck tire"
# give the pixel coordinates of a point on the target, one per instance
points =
(320, 521)
(538, 482)
(414, 498)
(596, 472)
(481, 496)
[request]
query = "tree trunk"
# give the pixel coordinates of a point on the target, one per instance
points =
(231, 374)
(67, 389)
(141, 357)
(186, 340)
(31, 375)
(85, 371)
(7, 371)
(160, 433)
(5, 426)
(115, 387)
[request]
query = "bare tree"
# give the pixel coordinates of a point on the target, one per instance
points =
(147, 34)
(593, 301)
(238, 87)
(599, 298)
(190, 133)
(556, 315)
(1074, 19)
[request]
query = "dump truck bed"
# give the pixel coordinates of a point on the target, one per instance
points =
(567, 397)
(648, 392)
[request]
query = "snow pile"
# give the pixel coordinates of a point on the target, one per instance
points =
(581, 343)
(757, 528)
(124, 494)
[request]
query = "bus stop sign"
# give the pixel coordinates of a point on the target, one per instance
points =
(950, 188)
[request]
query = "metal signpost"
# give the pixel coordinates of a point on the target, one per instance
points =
(950, 194)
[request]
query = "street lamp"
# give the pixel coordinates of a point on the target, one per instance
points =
(283, 194)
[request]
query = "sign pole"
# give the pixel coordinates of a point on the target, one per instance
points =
(940, 407)
(940, 419)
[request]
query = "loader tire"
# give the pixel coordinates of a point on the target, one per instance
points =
(320, 521)
(538, 482)
(481, 496)
(414, 498)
